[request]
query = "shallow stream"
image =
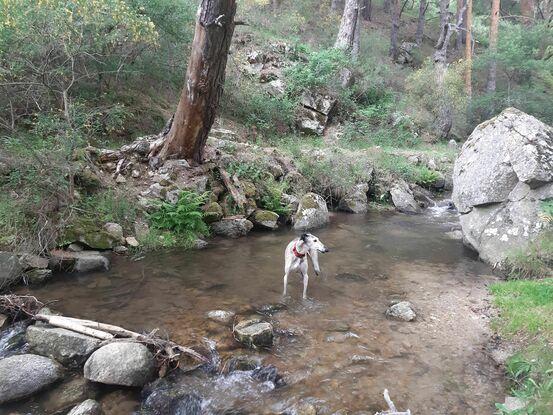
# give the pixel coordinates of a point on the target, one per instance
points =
(337, 349)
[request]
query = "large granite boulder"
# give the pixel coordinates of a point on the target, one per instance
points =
(67, 347)
(24, 375)
(403, 198)
(124, 364)
(312, 212)
(355, 201)
(11, 270)
(315, 112)
(502, 175)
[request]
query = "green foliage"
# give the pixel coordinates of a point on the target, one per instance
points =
(109, 206)
(245, 170)
(526, 307)
(426, 177)
(524, 72)
(320, 71)
(271, 198)
(184, 219)
(531, 375)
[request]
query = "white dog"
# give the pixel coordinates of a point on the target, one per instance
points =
(295, 258)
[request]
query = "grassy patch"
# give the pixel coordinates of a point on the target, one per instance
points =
(536, 261)
(526, 307)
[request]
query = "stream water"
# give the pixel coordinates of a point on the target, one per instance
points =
(337, 349)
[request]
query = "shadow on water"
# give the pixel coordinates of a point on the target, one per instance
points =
(335, 349)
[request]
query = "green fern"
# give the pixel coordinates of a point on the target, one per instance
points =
(184, 218)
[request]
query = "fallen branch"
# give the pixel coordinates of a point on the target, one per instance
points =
(392, 408)
(236, 195)
(166, 351)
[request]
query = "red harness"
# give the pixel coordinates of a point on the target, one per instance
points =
(296, 253)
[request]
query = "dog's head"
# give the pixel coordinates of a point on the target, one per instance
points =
(313, 243)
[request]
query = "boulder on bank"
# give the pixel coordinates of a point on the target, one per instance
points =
(312, 212)
(403, 198)
(23, 375)
(91, 235)
(254, 333)
(315, 112)
(232, 227)
(355, 201)
(264, 219)
(124, 364)
(65, 346)
(502, 175)
(78, 261)
(11, 270)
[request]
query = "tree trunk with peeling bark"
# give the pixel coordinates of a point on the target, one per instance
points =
(423, 5)
(348, 35)
(394, 33)
(444, 22)
(494, 29)
(460, 33)
(205, 77)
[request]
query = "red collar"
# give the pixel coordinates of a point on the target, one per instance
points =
(296, 253)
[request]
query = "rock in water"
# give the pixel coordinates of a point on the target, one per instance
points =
(67, 347)
(221, 316)
(10, 269)
(264, 219)
(125, 364)
(503, 173)
(401, 311)
(355, 201)
(312, 212)
(232, 227)
(23, 375)
(88, 407)
(403, 199)
(254, 333)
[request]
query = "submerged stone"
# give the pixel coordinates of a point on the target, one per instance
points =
(254, 333)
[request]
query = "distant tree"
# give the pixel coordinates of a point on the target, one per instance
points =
(348, 34)
(494, 28)
(336, 5)
(366, 9)
(459, 38)
(468, 49)
(387, 5)
(444, 22)
(423, 5)
(205, 77)
(527, 11)
(394, 32)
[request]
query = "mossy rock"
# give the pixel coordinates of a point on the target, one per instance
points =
(264, 219)
(248, 188)
(89, 234)
(312, 212)
(213, 212)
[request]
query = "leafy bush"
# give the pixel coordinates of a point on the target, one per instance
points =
(426, 177)
(184, 219)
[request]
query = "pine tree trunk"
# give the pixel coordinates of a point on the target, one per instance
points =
(205, 77)
(468, 50)
(348, 35)
(423, 5)
(494, 28)
(460, 33)
(394, 33)
(367, 9)
(336, 5)
(444, 21)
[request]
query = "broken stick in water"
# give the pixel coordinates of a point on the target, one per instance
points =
(391, 407)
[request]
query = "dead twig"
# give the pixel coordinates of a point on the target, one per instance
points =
(391, 407)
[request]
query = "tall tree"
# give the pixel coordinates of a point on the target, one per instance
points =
(336, 5)
(468, 50)
(423, 5)
(387, 4)
(444, 22)
(461, 32)
(367, 9)
(394, 32)
(444, 119)
(348, 34)
(494, 28)
(205, 77)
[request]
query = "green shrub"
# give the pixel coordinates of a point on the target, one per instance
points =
(110, 206)
(426, 177)
(184, 219)
(271, 198)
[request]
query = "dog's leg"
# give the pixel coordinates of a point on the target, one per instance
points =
(285, 279)
(305, 283)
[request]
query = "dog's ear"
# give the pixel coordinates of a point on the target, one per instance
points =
(304, 236)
